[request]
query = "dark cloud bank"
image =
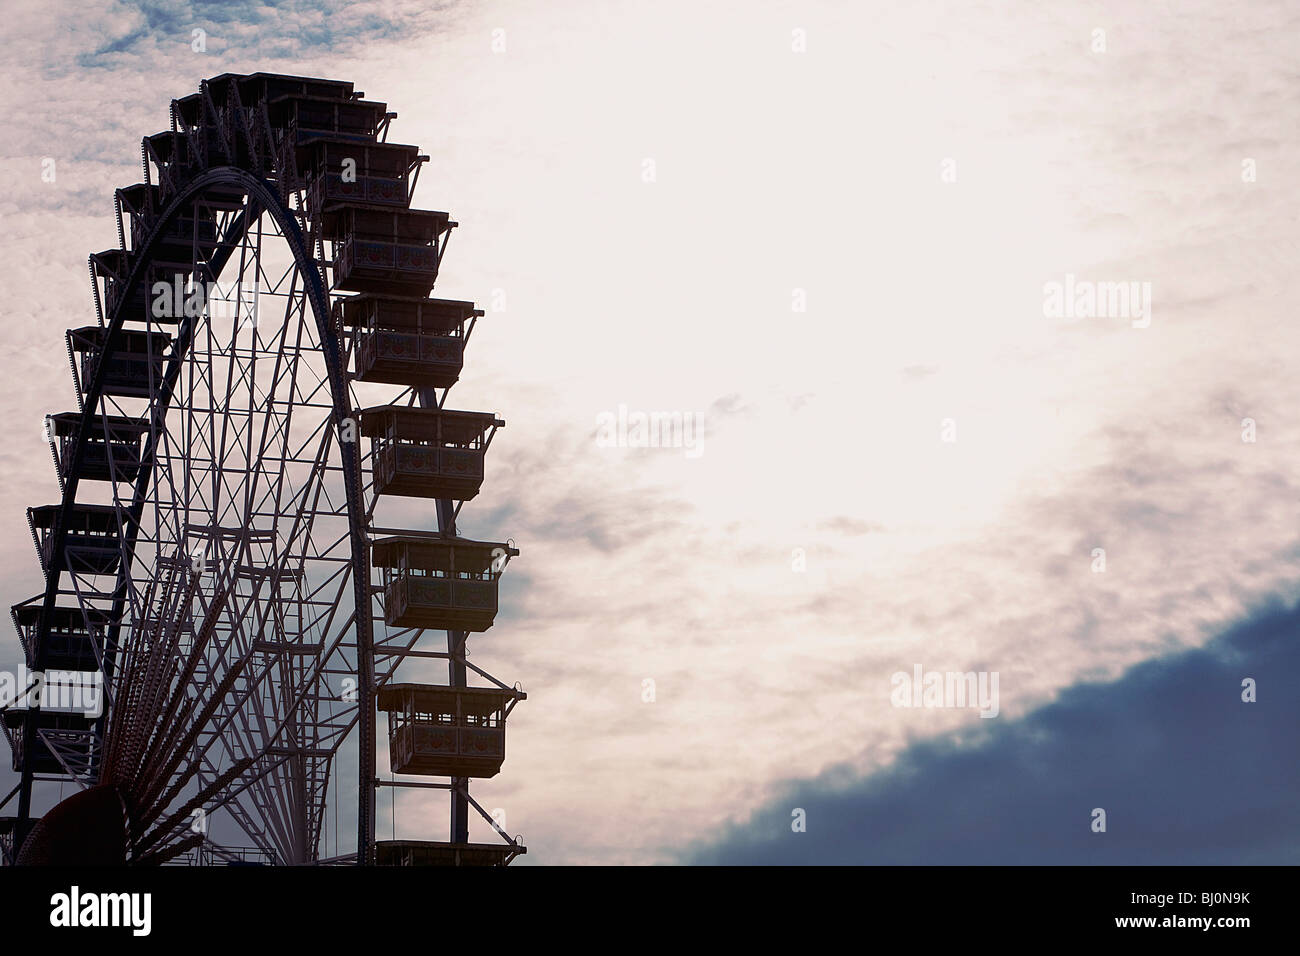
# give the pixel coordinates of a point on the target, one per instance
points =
(1188, 774)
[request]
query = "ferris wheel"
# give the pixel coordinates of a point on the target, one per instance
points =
(257, 522)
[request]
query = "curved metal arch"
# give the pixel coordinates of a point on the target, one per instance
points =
(268, 199)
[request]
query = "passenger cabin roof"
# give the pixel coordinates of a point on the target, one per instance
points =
(84, 517)
(162, 144)
(66, 423)
(371, 158)
(280, 109)
(272, 86)
(404, 312)
(254, 87)
(61, 618)
(137, 196)
(189, 109)
(421, 424)
(49, 718)
(383, 225)
(113, 261)
(479, 701)
(133, 340)
(437, 553)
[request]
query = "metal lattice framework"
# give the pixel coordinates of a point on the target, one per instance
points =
(209, 563)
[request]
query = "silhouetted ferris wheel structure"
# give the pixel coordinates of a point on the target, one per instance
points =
(217, 560)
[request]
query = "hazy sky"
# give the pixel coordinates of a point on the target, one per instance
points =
(826, 229)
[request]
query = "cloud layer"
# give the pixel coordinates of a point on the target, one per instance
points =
(1186, 772)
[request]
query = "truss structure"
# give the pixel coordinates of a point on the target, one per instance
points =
(266, 367)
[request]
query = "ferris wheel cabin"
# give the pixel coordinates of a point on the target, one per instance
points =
(308, 118)
(92, 543)
(343, 171)
(407, 341)
(72, 729)
(111, 451)
(441, 731)
(428, 452)
(69, 645)
(441, 583)
(134, 361)
(386, 250)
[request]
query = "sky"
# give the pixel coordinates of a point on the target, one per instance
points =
(827, 234)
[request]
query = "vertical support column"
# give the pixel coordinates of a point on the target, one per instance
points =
(456, 671)
(23, 825)
(366, 779)
(317, 291)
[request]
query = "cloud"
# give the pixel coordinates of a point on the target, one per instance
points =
(1187, 773)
